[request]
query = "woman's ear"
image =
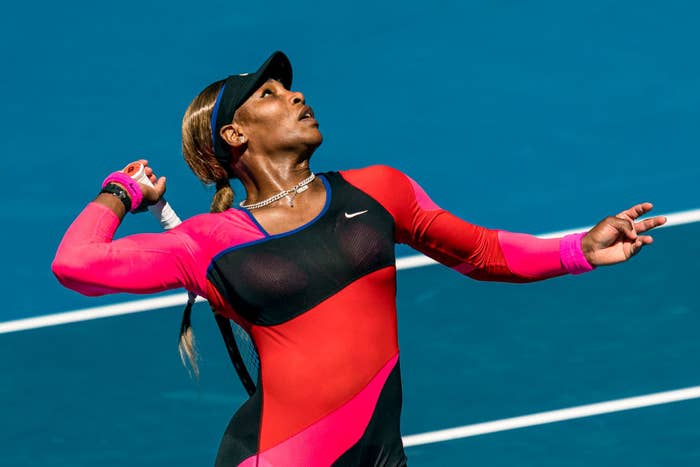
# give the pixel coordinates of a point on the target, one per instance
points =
(232, 135)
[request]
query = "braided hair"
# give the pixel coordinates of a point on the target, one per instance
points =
(199, 154)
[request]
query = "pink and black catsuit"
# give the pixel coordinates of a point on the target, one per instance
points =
(319, 303)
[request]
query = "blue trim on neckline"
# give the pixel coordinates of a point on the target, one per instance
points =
(329, 195)
(253, 220)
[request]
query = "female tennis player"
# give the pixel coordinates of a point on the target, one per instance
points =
(306, 265)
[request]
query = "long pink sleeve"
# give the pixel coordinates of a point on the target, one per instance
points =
(481, 253)
(90, 262)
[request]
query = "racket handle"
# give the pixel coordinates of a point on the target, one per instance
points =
(161, 209)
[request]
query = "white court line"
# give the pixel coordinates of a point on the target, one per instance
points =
(138, 306)
(552, 416)
(105, 311)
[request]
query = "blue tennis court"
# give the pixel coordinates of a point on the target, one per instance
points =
(532, 117)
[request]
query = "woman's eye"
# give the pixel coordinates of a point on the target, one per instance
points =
(266, 92)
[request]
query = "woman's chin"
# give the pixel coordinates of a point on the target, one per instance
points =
(317, 139)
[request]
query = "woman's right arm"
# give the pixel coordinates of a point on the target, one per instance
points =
(89, 261)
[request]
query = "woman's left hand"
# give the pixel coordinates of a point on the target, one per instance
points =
(616, 238)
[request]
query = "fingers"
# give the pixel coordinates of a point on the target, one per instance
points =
(624, 226)
(636, 211)
(159, 186)
(151, 175)
(641, 242)
(152, 193)
(648, 224)
(646, 239)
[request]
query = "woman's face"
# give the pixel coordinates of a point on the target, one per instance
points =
(276, 119)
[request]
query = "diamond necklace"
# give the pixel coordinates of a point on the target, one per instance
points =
(300, 187)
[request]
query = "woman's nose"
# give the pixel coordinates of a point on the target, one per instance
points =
(298, 98)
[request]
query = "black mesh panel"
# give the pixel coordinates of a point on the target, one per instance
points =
(274, 280)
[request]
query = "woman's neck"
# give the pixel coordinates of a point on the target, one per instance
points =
(263, 177)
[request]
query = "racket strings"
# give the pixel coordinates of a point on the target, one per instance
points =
(248, 368)
(248, 351)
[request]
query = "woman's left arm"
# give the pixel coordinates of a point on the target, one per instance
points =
(513, 257)
(486, 254)
(497, 255)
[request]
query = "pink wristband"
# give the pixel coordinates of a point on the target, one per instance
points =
(571, 254)
(131, 185)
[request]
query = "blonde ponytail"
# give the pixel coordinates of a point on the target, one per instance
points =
(186, 347)
(199, 155)
(223, 198)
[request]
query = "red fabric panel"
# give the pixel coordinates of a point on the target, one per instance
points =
(465, 247)
(318, 361)
(324, 441)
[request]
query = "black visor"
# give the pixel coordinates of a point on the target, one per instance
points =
(236, 90)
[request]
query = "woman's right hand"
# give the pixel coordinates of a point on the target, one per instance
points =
(151, 194)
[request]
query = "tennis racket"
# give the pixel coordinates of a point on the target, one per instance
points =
(247, 362)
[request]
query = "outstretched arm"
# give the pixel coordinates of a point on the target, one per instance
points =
(481, 253)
